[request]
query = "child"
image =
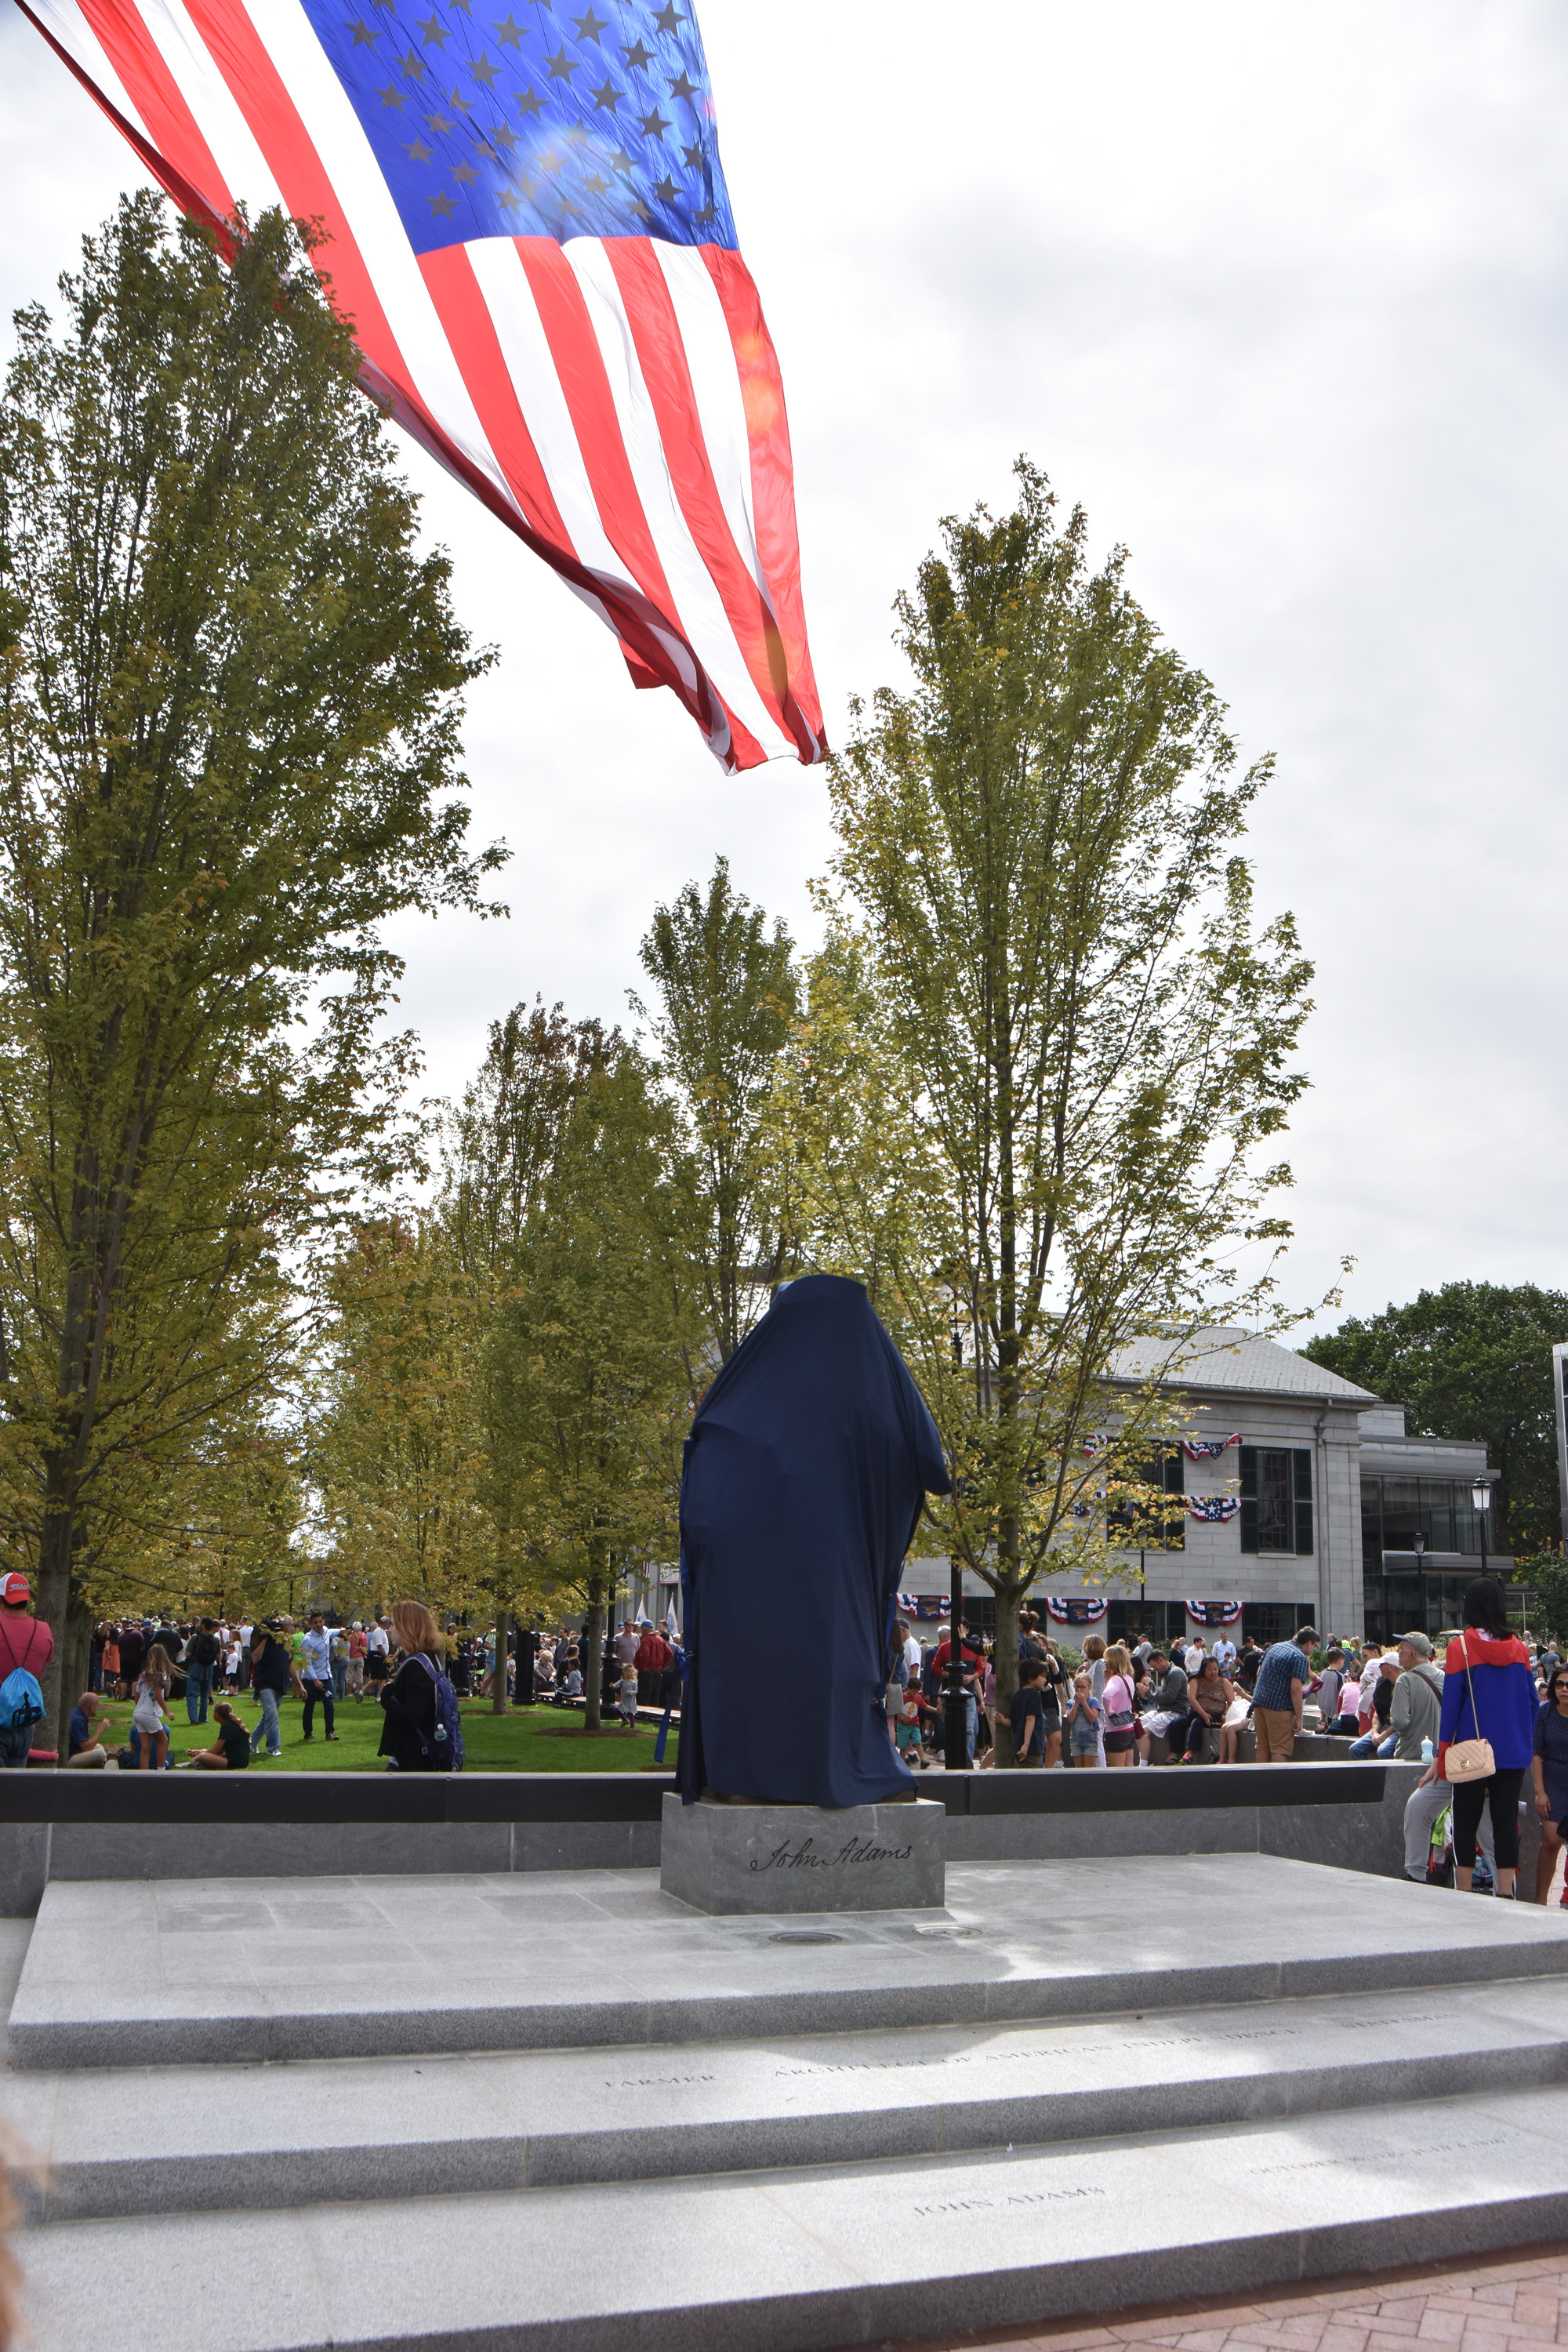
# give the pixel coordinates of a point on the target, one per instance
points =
(1083, 1722)
(627, 1696)
(149, 1722)
(906, 1729)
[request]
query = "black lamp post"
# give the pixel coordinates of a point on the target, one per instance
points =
(1418, 1546)
(954, 1704)
(1481, 1497)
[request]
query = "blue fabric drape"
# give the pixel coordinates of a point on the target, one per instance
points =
(805, 1471)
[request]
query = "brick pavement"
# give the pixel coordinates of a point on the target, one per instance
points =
(1513, 2302)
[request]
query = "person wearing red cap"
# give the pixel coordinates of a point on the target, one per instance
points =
(25, 1642)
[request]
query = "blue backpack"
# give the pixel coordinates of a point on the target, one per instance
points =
(21, 1700)
(445, 1746)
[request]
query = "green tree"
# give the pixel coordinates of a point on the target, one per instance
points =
(229, 701)
(1472, 1359)
(727, 995)
(395, 1452)
(589, 1393)
(1547, 1577)
(1080, 1039)
(504, 1146)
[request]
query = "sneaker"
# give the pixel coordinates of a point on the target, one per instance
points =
(307, 1737)
(334, 1735)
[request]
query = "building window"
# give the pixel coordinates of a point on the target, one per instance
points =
(1143, 1527)
(1276, 1498)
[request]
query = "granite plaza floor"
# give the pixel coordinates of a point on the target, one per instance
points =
(1081, 2086)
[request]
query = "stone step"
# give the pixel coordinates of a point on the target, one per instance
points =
(135, 1973)
(144, 2141)
(823, 2255)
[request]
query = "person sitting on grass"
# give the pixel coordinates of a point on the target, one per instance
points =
(626, 1695)
(87, 1749)
(232, 1752)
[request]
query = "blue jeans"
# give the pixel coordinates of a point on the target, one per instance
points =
(971, 1722)
(314, 1691)
(15, 1746)
(267, 1730)
(198, 1690)
(339, 1676)
(1375, 1743)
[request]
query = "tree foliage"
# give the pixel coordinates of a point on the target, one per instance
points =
(588, 1379)
(1472, 1359)
(1046, 974)
(726, 997)
(229, 699)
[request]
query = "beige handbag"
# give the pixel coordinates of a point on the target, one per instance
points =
(1469, 1759)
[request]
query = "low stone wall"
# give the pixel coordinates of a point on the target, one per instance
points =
(130, 1825)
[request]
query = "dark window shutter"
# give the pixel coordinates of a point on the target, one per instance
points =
(1304, 1499)
(1250, 1498)
(1176, 1471)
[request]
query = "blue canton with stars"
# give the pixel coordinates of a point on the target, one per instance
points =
(542, 123)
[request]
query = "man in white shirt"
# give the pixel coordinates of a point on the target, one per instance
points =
(1194, 1657)
(316, 1672)
(914, 1656)
(1224, 1651)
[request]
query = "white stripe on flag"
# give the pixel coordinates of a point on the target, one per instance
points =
(720, 408)
(502, 281)
(700, 608)
(373, 219)
(77, 37)
(194, 72)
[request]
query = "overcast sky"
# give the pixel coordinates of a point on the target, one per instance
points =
(1276, 293)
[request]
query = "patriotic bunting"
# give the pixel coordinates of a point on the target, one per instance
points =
(1207, 1449)
(1214, 1612)
(1214, 1510)
(1073, 1612)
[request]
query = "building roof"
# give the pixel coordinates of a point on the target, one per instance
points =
(1226, 1359)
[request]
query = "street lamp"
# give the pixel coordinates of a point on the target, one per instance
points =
(1418, 1546)
(1481, 1497)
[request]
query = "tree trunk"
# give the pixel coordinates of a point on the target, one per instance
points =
(498, 1681)
(53, 1606)
(78, 1650)
(1004, 1665)
(592, 1651)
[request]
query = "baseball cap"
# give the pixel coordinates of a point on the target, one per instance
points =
(16, 1588)
(1419, 1641)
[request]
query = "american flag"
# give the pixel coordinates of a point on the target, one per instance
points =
(528, 224)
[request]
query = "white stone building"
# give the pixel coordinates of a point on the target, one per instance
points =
(1332, 1498)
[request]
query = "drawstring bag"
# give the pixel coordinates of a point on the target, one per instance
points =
(1469, 1759)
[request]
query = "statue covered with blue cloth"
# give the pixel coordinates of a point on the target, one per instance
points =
(805, 1470)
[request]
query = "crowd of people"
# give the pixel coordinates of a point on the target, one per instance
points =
(207, 1664)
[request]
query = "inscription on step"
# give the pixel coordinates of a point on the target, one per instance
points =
(999, 2204)
(806, 1856)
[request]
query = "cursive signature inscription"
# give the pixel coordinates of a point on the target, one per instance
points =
(805, 1857)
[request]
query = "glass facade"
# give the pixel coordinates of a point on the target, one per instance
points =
(1398, 1596)
(1394, 1509)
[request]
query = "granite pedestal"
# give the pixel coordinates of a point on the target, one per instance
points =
(727, 1858)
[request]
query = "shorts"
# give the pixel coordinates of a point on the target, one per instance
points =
(1118, 1743)
(1028, 1763)
(1085, 1745)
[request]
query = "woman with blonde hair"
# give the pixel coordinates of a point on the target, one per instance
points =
(409, 1732)
(1120, 1705)
(149, 1722)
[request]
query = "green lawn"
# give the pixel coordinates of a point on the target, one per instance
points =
(538, 1739)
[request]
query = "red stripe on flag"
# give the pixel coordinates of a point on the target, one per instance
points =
(662, 353)
(773, 472)
(190, 199)
(156, 96)
(465, 314)
(258, 91)
(580, 365)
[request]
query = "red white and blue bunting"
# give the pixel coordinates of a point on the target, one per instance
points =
(1208, 1449)
(1214, 1612)
(1214, 1509)
(1074, 1611)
